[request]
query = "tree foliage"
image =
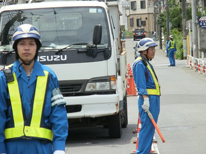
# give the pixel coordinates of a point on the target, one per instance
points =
(175, 18)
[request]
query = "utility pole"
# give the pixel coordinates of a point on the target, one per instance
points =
(155, 15)
(160, 28)
(194, 29)
(167, 22)
(184, 29)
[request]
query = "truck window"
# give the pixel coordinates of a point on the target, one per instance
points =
(58, 27)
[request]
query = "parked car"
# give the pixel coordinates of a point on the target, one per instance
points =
(136, 53)
(139, 33)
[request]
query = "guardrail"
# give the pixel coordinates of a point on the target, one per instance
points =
(197, 64)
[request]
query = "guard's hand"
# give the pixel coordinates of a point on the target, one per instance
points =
(145, 105)
(59, 152)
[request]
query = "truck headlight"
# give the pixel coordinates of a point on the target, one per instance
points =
(101, 84)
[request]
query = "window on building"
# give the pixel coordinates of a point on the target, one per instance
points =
(142, 4)
(138, 21)
(131, 22)
(143, 23)
(133, 5)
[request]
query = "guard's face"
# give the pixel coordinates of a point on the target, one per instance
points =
(27, 49)
(151, 53)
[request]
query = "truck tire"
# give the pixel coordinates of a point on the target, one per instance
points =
(115, 126)
(124, 113)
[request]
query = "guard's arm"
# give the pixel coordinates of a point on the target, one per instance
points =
(140, 81)
(139, 73)
(58, 117)
(3, 111)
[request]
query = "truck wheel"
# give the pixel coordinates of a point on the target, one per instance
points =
(124, 113)
(115, 127)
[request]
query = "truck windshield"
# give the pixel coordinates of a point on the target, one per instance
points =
(58, 27)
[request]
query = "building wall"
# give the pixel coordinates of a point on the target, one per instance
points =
(141, 17)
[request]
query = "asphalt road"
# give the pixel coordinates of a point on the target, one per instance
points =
(182, 119)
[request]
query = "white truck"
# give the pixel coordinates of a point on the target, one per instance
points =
(81, 43)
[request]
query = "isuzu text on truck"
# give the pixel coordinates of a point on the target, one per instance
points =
(81, 43)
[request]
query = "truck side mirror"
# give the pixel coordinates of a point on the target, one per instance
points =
(3, 59)
(97, 34)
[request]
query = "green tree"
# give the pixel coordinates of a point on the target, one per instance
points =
(175, 18)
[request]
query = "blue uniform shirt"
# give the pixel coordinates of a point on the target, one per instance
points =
(142, 77)
(55, 116)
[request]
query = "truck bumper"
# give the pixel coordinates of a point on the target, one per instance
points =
(93, 106)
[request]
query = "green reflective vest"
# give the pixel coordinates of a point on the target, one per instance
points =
(20, 129)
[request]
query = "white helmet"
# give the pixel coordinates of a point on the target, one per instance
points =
(145, 43)
(26, 31)
(171, 36)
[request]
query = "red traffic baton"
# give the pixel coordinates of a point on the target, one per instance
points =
(155, 125)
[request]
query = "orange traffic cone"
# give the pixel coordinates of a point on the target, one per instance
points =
(153, 151)
(131, 89)
(139, 125)
(136, 131)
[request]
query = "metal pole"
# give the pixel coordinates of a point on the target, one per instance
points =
(184, 29)
(194, 29)
(167, 22)
(160, 37)
(190, 40)
(155, 15)
(160, 28)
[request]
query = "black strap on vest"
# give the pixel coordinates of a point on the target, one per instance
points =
(9, 75)
(143, 61)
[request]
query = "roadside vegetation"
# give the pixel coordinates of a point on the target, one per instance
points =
(175, 18)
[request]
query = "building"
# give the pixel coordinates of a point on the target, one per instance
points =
(141, 15)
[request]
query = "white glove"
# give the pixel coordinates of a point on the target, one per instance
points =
(59, 152)
(145, 105)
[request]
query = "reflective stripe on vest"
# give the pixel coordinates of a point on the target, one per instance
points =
(172, 44)
(34, 130)
(156, 90)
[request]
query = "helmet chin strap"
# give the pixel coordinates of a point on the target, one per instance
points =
(26, 63)
(147, 56)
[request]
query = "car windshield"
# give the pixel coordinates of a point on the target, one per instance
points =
(139, 30)
(58, 27)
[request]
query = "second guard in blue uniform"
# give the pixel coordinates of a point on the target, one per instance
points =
(148, 91)
(171, 50)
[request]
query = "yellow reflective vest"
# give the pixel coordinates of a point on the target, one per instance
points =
(34, 130)
(172, 44)
(156, 90)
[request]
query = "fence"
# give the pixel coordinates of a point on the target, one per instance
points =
(197, 64)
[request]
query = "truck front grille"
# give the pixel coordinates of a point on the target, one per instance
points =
(70, 88)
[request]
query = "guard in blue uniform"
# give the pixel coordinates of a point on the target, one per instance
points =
(33, 118)
(171, 49)
(149, 93)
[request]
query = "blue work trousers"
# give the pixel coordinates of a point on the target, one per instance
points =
(172, 57)
(31, 146)
(146, 132)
